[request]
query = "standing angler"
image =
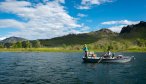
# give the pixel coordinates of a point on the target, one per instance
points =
(86, 50)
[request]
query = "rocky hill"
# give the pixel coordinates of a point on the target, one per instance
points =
(134, 31)
(12, 40)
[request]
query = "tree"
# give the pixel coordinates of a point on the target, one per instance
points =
(7, 45)
(17, 45)
(37, 44)
(110, 47)
(141, 42)
(1, 46)
(28, 44)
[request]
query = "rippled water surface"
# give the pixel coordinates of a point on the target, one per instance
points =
(68, 68)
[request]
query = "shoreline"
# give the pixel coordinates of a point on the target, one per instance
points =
(61, 50)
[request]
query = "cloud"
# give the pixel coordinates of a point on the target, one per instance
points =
(116, 28)
(10, 23)
(2, 38)
(124, 22)
(42, 20)
(83, 7)
(87, 4)
(81, 15)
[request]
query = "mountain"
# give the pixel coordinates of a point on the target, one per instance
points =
(102, 37)
(104, 33)
(134, 31)
(127, 33)
(12, 40)
(74, 39)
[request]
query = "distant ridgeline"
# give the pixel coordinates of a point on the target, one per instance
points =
(130, 36)
(18, 42)
(134, 31)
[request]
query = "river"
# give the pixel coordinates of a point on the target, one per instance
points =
(68, 68)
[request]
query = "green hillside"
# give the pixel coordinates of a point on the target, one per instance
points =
(79, 39)
(131, 38)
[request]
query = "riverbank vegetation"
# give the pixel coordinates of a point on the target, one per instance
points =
(132, 49)
(139, 45)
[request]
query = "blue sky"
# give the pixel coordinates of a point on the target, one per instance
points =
(44, 19)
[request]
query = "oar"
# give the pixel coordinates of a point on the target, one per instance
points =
(100, 59)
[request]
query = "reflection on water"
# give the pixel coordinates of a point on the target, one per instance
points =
(68, 68)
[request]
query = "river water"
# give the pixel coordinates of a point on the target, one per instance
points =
(68, 68)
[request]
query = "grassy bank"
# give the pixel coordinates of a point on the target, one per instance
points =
(59, 49)
(37, 50)
(136, 49)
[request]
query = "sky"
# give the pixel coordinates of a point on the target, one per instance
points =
(45, 19)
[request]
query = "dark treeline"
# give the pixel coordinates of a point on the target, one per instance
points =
(22, 44)
(102, 44)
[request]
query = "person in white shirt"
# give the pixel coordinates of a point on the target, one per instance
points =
(109, 53)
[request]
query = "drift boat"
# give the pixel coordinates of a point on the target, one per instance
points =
(107, 59)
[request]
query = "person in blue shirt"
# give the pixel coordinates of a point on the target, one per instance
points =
(86, 50)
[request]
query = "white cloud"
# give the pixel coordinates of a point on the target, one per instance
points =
(124, 22)
(10, 23)
(83, 7)
(81, 15)
(44, 21)
(85, 29)
(59, 1)
(2, 38)
(118, 25)
(87, 4)
(116, 28)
